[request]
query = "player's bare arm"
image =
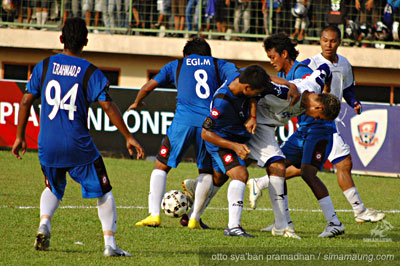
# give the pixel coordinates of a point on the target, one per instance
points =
(251, 123)
(293, 94)
(241, 149)
(111, 109)
(23, 114)
(144, 91)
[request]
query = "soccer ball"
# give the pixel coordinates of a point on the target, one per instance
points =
(174, 203)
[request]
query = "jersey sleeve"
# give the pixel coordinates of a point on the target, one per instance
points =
(167, 74)
(97, 85)
(302, 72)
(35, 82)
(219, 109)
(226, 69)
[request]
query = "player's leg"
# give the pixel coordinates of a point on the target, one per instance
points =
(237, 186)
(49, 201)
(95, 183)
(317, 147)
(341, 158)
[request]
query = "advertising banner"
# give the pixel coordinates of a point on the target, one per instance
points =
(373, 138)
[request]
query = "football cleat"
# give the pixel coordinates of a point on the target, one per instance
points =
(189, 188)
(110, 252)
(42, 241)
(152, 221)
(286, 232)
(269, 228)
(254, 192)
(369, 216)
(332, 230)
(185, 221)
(194, 224)
(236, 231)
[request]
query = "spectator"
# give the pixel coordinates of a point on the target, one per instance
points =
(163, 8)
(277, 5)
(299, 11)
(242, 10)
(190, 17)
(368, 11)
(42, 12)
(22, 4)
(178, 10)
(100, 7)
(221, 12)
(70, 6)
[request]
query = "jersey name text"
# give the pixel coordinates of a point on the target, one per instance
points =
(66, 70)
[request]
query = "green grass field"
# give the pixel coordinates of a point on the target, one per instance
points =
(77, 237)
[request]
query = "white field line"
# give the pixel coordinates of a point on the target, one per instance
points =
(210, 208)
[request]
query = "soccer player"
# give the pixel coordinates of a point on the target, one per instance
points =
(305, 148)
(226, 135)
(342, 85)
(66, 84)
(196, 76)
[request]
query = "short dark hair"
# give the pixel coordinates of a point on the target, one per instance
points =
(281, 42)
(197, 46)
(333, 28)
(331, 105)
(74, 34)
(256, 77)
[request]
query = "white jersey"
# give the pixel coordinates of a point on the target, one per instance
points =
(342, 73)
(275, 110)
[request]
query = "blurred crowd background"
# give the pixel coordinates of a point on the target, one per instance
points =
(367, 23)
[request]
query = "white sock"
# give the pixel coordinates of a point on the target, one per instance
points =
(109, 240)
(328, 210)
(354, 199)
(262, 182)
(158, 180)
(44, 17)
(276, 191)
(203, 188)
(287, 210)
(48, 205)
(107, 212)
(235, 199)
(211, 195)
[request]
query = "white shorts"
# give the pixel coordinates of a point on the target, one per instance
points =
(339, 148)
(263, 145)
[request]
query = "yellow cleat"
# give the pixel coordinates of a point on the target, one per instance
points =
(152, 221)
(194, 224)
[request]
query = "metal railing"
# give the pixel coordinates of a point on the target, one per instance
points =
(240, 20)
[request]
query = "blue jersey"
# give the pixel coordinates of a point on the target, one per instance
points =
(229, 113)
(66, 88)
(196, 79)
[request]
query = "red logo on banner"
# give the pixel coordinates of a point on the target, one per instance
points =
(366, 134)
(228, 158)
(215, 113)
(163, 151)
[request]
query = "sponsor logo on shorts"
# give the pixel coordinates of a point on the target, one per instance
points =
(47, 183)
(215, 113)
(104, 180)
(228, 158)
(163, 151)
(318, 156)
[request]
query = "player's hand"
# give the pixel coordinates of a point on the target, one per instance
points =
(251, 125)
(136, 106)
(19, 144)
(357, 108)
(242, 150)
(293, 94)
(131, 144)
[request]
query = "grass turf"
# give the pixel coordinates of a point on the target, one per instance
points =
(77, 237)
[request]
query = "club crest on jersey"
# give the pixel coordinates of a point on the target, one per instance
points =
(163, 151)
(228, 158)
(368, 132)
(215, 113)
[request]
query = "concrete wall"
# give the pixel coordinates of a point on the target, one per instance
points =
(136, 55)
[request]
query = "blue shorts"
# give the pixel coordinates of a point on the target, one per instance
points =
(308, 148)
(224, 160)
(92, 177)
(178, 140)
